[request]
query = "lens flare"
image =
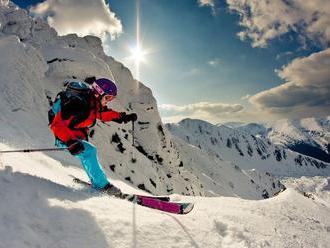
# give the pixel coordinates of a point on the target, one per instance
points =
(138, 54)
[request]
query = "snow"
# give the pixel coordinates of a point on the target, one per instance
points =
(43, 208)
(40, 206)
(312, 186)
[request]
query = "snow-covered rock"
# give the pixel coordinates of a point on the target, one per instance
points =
(34, 63)
(19, 23)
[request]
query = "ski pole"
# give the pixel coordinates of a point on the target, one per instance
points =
(35, 150)
(133, 142)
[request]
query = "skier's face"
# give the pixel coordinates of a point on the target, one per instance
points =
(106, 99)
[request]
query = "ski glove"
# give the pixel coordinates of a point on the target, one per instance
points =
(124, 118)
(75, 147)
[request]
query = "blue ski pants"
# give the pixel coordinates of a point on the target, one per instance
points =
(89, 160)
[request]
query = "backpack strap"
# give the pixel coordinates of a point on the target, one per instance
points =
(55, 107)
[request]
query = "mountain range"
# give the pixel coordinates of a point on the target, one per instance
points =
(308, 136)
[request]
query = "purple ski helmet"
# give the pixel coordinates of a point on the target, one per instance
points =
(104, 86)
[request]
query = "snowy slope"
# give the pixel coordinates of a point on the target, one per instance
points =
(246, 150)
(309, 136)
(311, 186)
(226, 178)
(41, 207)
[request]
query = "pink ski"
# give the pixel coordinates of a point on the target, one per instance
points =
(169, 207)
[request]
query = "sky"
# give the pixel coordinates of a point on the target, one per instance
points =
(216, 60)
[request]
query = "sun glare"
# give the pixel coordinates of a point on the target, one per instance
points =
(138, 55)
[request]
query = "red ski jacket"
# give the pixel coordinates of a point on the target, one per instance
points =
(64, 129)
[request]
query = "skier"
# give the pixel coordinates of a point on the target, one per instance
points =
(74, 112)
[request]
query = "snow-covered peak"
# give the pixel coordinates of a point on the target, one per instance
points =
(309, 136)
(246, 150)
(231, 124)
(256, 129)
(302, 129)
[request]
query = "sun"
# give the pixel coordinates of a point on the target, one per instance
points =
(138, 55)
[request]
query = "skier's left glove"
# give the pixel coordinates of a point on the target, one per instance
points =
(124, 118)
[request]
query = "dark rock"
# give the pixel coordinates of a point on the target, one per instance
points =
(141, 186)
(278, 154)
(153, 183)
(129, 179)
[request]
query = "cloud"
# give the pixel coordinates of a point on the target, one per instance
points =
(247, 114)
(209, 3)
(306, 91)
(266, 20)
(214, 62)
(246, 97)
(285, 54)
(194, 71)
(83, 17)
(201, 108)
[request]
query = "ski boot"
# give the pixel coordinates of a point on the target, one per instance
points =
(112, 190)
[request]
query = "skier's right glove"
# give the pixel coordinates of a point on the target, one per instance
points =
(75, 147)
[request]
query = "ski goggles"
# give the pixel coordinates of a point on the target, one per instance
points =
(98, 89)
(104, 89)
